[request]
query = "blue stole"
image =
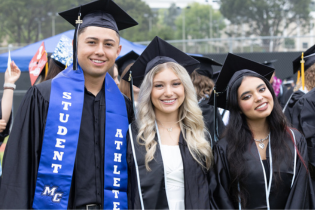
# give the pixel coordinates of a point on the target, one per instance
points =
(61, 139)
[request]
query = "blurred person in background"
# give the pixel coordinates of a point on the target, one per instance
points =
(203, 83)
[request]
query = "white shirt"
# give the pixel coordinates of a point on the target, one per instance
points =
(174, 170)
(305, 89)
(226, 116)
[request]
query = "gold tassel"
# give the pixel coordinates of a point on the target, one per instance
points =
(302, 71)
(298, 77)
(46, 66)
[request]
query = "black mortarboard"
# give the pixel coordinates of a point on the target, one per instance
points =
(269, 63)
(158, 52)
(126, 60)
(101, 13)
(234, 68)
(309, 58)
(215, 76)
(206, 64)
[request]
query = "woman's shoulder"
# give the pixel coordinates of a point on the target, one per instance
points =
(296, 135)
(221, 144)
(133, 128)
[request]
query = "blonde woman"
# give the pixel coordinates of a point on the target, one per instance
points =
(169, 154)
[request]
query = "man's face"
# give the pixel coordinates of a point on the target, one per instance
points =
(98, 49)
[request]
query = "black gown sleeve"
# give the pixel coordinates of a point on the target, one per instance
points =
(220, 180)
(208, 117)
(130, 110)
(22, 154)
(6, 131)
(302, 193)
(303, 119)
(307, 123)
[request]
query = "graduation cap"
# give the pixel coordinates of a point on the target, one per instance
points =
(126, 60)
(206, 64)
(63, 54)
(215, 76)
(269, 63)
(234, 68)
(37, 64)
(101, 13)
(303, 63)
(158, 52)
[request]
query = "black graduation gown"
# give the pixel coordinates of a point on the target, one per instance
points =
(6, 131)
(303, 118)
(281, 197)
(153, 182)
(22, 155)
(207, 113)
(289, 108)
(284, 97)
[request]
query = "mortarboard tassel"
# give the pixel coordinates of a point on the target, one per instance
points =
(46, 66)
(215, 134)
(77, 26)
(298, 77)
(131, 94)
(302, 71)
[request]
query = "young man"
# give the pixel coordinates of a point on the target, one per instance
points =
(67, 147)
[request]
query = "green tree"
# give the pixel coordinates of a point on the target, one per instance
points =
(143, 14)
(266, 17)
(170, 16)
(22, 19)
(197, 22)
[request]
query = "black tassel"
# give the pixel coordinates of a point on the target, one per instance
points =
(131, 93)
(75, 42)
(75, 48)
(215, 136)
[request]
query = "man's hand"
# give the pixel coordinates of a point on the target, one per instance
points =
(15, 74)
(3, 125)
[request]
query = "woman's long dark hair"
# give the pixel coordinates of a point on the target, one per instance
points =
(54, 69)
(240, 138)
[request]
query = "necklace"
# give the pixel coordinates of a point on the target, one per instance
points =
(261, 141)
(170, 129)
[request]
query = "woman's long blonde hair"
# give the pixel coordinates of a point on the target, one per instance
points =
(190, 118)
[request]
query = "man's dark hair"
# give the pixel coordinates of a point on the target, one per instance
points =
(81, 30)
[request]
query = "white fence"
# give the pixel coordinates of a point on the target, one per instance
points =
(243, 44)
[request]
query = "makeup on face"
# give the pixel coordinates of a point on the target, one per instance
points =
(168, 92)
(255, 100)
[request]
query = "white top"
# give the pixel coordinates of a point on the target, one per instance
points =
(174, 170)
(305, 89)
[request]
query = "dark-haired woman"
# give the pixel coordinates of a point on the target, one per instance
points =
(55, 67)
(260, 162)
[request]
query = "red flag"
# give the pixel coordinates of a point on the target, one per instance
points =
(37, 63)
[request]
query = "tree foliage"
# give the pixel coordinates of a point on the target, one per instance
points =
(20, 19)
(266, 17)
(197, 22)
(143, 14)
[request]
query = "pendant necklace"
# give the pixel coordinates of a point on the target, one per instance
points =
(170, 129)
(261, 141)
